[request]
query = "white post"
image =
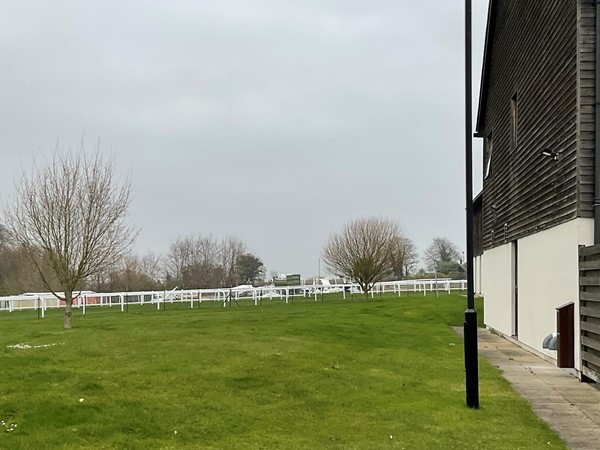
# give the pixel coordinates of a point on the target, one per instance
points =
(122, 298)
(84, 303)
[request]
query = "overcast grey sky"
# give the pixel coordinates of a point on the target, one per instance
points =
(274, 121)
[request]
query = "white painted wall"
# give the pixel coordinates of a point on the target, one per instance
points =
(548, 277)
(496, 288)
(477, 274)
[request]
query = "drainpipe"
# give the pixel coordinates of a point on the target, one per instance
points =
(597, 135)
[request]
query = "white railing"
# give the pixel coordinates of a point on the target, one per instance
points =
(44, 301)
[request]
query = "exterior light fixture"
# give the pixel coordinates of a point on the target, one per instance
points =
(551, 154)
(550, 342)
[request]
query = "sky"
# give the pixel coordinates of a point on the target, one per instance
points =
(277, 122)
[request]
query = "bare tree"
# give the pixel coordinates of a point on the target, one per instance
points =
(69, 217)
(362, 251)
(179, 258)
(207, 270)
(150, 266)
(16, 274)
(202, 261)
(230, 250)
(404, 256)
(193, 262)
(441, 250)
(136, 274)
(5, 240)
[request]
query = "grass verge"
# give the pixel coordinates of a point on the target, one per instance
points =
(344, 374)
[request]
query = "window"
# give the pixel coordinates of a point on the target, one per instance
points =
(513, 122)
(488, 154)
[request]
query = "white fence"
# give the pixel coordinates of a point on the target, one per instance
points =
(40, 302)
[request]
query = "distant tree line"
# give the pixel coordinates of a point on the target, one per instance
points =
(203, 261)
(65, 230)
(192, 262)
(370, 250)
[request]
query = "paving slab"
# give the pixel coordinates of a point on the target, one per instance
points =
(568, 406)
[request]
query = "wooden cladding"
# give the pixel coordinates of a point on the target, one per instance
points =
(537, 107)
(589, 306)
(477, 227)
(586, 94)
(513, 123)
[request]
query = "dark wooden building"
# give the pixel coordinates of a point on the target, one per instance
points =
(537, 121)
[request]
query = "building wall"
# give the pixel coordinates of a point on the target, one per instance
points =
(477, 274)
(586, 99)
(548, 277)
(496, 288)
(531, 106)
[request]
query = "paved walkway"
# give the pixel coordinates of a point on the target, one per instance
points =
(570, 407)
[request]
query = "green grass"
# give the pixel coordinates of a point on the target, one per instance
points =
(337, 374)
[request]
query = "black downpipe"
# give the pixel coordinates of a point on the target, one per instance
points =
(597, 135)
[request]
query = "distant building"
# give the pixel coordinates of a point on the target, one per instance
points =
(287, 280)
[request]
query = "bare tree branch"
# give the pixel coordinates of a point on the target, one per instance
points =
(69, 215)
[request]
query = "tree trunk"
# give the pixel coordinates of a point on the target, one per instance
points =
(68, 310)
(365, 288)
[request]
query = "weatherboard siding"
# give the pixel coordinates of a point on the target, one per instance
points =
(534, 55)
(477, 227)
(586, 92)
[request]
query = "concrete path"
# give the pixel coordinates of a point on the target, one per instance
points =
(570, 407)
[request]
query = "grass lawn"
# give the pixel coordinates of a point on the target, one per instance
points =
(387, 373)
